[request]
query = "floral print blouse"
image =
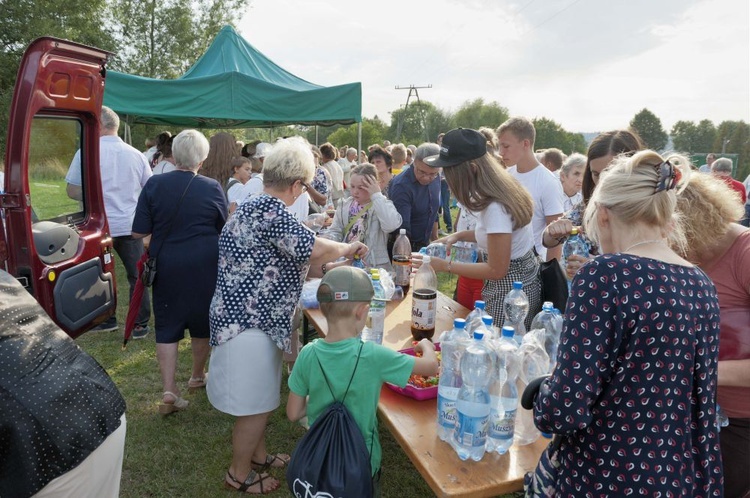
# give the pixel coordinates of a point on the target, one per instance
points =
(264, 255)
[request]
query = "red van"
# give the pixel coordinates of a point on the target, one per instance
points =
(57, 247)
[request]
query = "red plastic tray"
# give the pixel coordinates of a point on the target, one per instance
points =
(410, 391)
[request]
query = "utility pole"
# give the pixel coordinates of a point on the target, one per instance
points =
(413, 89)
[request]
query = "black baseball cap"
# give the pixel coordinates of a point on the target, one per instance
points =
(458, 146)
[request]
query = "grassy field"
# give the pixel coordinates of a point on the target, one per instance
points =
(187, 454)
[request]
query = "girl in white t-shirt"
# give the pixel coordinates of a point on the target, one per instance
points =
(503, 209)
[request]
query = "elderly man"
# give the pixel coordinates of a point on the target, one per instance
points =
(347, 162)
(124, 172)
(706, 168)
(416, 195)
(722, 168)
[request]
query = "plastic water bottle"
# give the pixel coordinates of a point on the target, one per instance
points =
(488, 329)
(721, 418)
(375, 325)
(402, 261)
(452, 345)
(574, 245)
(551, 321)
(474, 319)
(503, 394)
(534, 363)
(473, 405)
(515, 308)
(357, 262)
(424, 302)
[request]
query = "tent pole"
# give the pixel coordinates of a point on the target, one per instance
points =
(359, 138)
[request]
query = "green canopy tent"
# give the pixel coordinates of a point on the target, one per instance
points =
(232, 85)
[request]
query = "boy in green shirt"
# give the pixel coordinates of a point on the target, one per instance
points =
(344, 296)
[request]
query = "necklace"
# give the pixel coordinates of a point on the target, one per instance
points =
(642, 243)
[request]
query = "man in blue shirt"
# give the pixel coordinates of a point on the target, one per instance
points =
(416, 195)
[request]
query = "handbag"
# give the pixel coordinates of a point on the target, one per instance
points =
(148, 271)
(554, 283)
(542, 483)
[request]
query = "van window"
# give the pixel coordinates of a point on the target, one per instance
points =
(54, 159)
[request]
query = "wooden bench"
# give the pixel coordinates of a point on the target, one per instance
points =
(414, 425)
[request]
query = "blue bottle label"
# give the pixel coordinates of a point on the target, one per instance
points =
(447, 406)
(472, 428)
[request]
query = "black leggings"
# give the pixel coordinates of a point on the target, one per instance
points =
(735, 457)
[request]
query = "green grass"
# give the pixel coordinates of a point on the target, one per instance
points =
(187, 454)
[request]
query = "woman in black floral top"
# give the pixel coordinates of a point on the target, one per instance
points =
(264, 257)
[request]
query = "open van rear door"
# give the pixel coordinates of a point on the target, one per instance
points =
(59, 248)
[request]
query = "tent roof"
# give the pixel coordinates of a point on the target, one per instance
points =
(232, 85)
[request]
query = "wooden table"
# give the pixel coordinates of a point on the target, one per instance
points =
(414, 423)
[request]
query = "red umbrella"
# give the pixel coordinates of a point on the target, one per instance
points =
(135, 301)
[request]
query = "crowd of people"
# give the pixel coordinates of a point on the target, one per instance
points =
(656, 328)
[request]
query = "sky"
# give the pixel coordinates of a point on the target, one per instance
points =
(589, 65)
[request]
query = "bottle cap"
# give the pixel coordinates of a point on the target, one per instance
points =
(574, 231)
(547, 305)
(402, 231)
(508, 331)
(478, 335)
(479, 304)
(487, 320)
(518, 285)
(426, 260)
(459, 323)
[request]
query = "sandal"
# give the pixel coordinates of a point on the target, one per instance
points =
(253, 478)
(177, 405)
(270, 461)
(196, 383)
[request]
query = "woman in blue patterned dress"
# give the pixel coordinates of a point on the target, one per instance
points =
(633, 392)
(264, 257)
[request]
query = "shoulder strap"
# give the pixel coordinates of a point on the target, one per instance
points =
(174, 216)
(350, 379)
(353, 220)
(230, 183)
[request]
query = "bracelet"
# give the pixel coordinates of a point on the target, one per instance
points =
(449, 265)
(323, 268)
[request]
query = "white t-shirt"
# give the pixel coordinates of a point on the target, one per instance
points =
(337, 177)
(234, 192)
(547, 193)
(495, 219)
(124, 172)
(164, 167)
(299, 209)
(746, 183)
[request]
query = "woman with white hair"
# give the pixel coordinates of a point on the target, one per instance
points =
(571, 177)
(264, 257)
(184, 213)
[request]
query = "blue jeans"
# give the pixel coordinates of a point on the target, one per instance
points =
(130, 251)
(445, 201)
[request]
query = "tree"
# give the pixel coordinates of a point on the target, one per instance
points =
(689, 138)
(649, 128)
(24, 21)
(551, 134)
(419, 122)
(373, 131)
(475, 114)
(162, 39)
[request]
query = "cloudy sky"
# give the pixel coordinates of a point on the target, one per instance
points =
(590, 65)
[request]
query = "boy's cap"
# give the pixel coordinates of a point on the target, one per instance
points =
(262, 150)
(345, 284)
(458, 146)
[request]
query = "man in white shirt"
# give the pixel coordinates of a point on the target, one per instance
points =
(347, 163)
(516, 138)
(124, 172)
(706, 168)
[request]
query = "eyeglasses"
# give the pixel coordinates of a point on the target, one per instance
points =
(303, 186)
(422, 174)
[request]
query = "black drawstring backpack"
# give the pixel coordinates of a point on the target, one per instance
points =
(332, 456)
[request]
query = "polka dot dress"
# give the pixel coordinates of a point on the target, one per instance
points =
(634, 389)
(264, 255)
(57, 404)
